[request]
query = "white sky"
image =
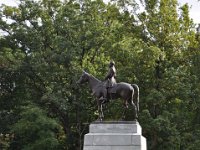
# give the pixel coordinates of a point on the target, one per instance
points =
(194, 10)
(194, 7)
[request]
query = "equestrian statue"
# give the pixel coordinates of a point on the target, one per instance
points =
(104, 91)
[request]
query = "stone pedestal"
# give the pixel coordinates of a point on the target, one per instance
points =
(124, 135)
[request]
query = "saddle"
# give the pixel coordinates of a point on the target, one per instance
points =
(111, 90)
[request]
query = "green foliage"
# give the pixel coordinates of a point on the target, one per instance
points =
(47, 43)
(34, 130)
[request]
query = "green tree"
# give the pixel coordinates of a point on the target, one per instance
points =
(48, 42)
(34, 130)
(169, 83)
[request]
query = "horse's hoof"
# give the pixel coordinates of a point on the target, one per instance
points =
(99, 120)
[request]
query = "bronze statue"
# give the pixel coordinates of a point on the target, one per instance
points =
(111, 76)
(129, 93)
(110, 79)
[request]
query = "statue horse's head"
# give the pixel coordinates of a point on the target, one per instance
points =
(84, 78)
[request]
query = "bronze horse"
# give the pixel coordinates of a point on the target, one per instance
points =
(129, 93)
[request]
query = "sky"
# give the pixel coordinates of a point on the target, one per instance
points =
(194, 7)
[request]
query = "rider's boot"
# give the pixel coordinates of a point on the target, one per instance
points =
(106, 97)
(105, 100)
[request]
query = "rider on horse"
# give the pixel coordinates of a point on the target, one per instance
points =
(110, 78)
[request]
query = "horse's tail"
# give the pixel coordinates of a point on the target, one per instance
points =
(136, 95)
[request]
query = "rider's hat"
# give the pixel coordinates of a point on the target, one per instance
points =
(112, 63)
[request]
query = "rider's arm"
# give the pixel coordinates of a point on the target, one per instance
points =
(110, 74)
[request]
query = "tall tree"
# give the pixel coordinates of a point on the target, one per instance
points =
(48, 42)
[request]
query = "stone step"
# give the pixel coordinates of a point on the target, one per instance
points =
(113, 127)
(122, 135)
(114, 148)
(114, 139)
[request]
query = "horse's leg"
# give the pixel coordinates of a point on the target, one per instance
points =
(125, 103)
(99, 109)
(135, 109)
(104, 96)
(102, 115)
(124, 113)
